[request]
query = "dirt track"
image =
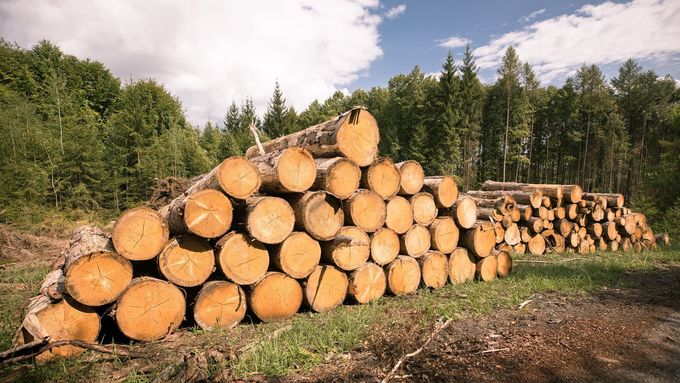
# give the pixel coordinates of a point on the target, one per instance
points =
(621, 335)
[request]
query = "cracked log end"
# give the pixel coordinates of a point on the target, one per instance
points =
(275, 297)
(297, 255)
(434, 268)
(208, 213)
(269, 219)
(98, 278)
(325, 288)
(349, 250)
(399, 215)
(367, 283)
(461, 266)
(382, 177)
(384, 246)
(242, 259)
(187, 261)
(403, 275)
(140, 234)
(416, 241)
(444, 234)
(366, 210)
(220, 304)
(238, 177)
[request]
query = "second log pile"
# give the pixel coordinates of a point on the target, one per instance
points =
(312, 219)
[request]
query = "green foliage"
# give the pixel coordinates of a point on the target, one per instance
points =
(279, 120)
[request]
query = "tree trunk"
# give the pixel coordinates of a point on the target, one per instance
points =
(291, 170)
(242, 259)
(434, 269)
(444, 189)
(480, 239)
(270, 220)
(325, 288)
(219, 304)
(365, 210)
(399, 214)
(424, 208)
(367, 283)
(140, 234)
(318, 213)
(444, 234)
(382, 177)
(338, 176)
(384, 246)
(403, 275)
(275, 297)
(461, 266)
(412, 177)
(187, 261)
(353, 134)
(297, 255)
(349, 250)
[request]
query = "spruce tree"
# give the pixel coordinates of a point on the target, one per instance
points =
(472, 97)
(509, 73)
(444, 138)
(274, 124)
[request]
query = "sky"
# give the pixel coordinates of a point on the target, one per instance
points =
(209, 53)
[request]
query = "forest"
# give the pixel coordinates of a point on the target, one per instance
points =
(77, 141)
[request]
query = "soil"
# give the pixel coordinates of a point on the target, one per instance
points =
(618, 335)
(16, 246)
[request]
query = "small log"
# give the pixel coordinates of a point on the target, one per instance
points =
(318, 213)
(366, 210)
(415, 242)
(560, 212)
(525, 234)
(403, 275)
(434, 269)
(506, 221)
(512, 236)
(503, 263)
(504, 247)
(382, 177)
(412, 177)
(525, 212)
(338, 176)
(150, 309)
(629, 224)
(464, 212)
(519, 248)
(564, 227)
(275, 297)
(480, 239)
(298, 255)
(367, 283)
(140, 234)
(547, 203)
(384, 246)
(487, 268)
(609, 230)
(290, 170)
(551, 215)
(444, 234)
(219, 304)
(613, 246)
(536, 245)
(443, 188)
(207, 213)
(241, 258)
(462, 266)
(571, 211)
(187, 261)
(399, 214)
(541, 212)
(505, 204)
(663, 239)
(270, 220)
(325, 288)
(424, 208)
(499, 232)
(554, 241)
(489, 214)
(573, 239)
(349, 250)
(613, 199)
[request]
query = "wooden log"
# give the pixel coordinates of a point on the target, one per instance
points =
(318, 213)
(559, 212)
(503, 263)
(235, 176)
(353, 134)
(554, 241)
(519, 248)
(535, 224)
(525, 212)
(564, 227)
(150, 309)
(479, 240)
(219, 304)
(515, 215)
(382, 177)
(444, 234)
(551, 215)
(207, 213)
(298, 255)
(270, 220)
(613, 199)
(525, 234)
(613, 245)
(415, 242)
(65, 319)
(626, 245)
(403, 275)
(489, 214)
(462, 266)
(548, 225)
(412, 177)
(348, 250)
(187, 261)
(548, 190)
(512, 236)
(464, 212)
(443, 188)
(384, 246)
(582, 219)
(366, 210)
(542, 212)
(241, 258)
(573, 240)
(499, 232)
(434, 269)
(367, 283)
(609, 230)
(338, 176)
(571, 211)
(601, 244)
(506, 221)
(536, 245)
(630, 224)
(596, 199)
(399, 214)
(547, 202)
(290, 170)
(424, 208)
(504, 247)
(663, 239)
(275, 297)
(487, 268)
(325, 288)
(140, 234)
(505, 204)
(609, 215)
(532, 198)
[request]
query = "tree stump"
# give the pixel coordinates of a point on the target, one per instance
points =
(220, 304)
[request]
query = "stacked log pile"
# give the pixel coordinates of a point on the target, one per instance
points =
(312, 219)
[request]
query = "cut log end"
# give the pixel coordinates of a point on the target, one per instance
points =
(504, 263)
(187, 261)
(444, 189)
(339, 176)
(275, 297)
(416, 241)
(461, 266)
(349, 250)
(297, 255)
(536, 245)
(296, 170)
(384, 246)
(366, 210)
(238, 177)
(358, 137)
(241, 258)
(424, 208)
(270, 220)
(382, 177)
(466, 212)
(98, 278)
(140, 234)
(367, 283)
(403, 275)
(219, 304)
(412, 177)
(480, 240)
(434, 268)
(325, 288)
(208, 213)
(150, 309)
(319, 213)
(487, 268)
(399, 215)
(444, 235)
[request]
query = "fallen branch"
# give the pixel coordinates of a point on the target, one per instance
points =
(38, 347)
(521, 306)
(494, 350)
(416, 352)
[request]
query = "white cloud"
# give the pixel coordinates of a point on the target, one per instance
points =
(532, 15)
(395, 11)
(595, 34)
(209, 53)
(453, 42)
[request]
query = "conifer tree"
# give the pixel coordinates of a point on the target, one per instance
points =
(275, 120)
(472, 103)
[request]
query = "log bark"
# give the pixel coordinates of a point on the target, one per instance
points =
(318, 213)
(367, 283)
(399, 214)
(609, 230)
(462, 266)
(663, 239)
(366, 210)
(219, 304)
(535, 224)
(525, 212)
(275, 297)
(434, 269)
(424, 208)
(382, 177)
(487, 268)
(415, 242)
(241, 258)
(150, 309)
(489, 214)
(533, 198)
(290, 170)
(353, 134)
(554, 241)
(384, 246)
(187, 261)
(479, 240)
(548, 190)
(325, 288)
(564, 227)
(140, 234)
(444, 234)
(338, 176)
(348, 250)
(270, 220)
(613, 199)
(207, 213)
(503, 262)
(403, 275)
(505, 205)
(297, 255)
(443, 188)
(412, 177)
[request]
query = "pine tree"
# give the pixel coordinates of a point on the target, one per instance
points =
(444, 139)
(509, 73)
(472, 96)
(274, 124)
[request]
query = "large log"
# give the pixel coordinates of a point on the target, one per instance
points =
(550, 191)
(564, 227)
(150, 309)
(412, 177)
(384, 246)
(348, 250)
(613, 199)
(434, 269)
(325, 288)
(444, 234)
(140, 234)
(367, 283)
(443, 188)
(235, 176)
(318, 213)
(424, 208)
(461, 266)
(353, 134)
(338, 176)
(415, 242)
(487, 268)
(270, 220)
(480, 239)
(297, 255)
(365, 209)
(291, 170)
(464, 212)
(403, 275)
(382, 177)
(503, 263)
(399, 214)
(533, 198)
(275, 297)
(187, 261)
(207, 213)
(536, 245)
(219, 304)
(242, 259)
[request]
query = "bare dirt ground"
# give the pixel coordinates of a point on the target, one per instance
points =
(619, 335)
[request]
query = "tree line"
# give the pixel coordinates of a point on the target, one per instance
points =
(76, 137)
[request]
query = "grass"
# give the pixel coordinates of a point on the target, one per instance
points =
(309, 339)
